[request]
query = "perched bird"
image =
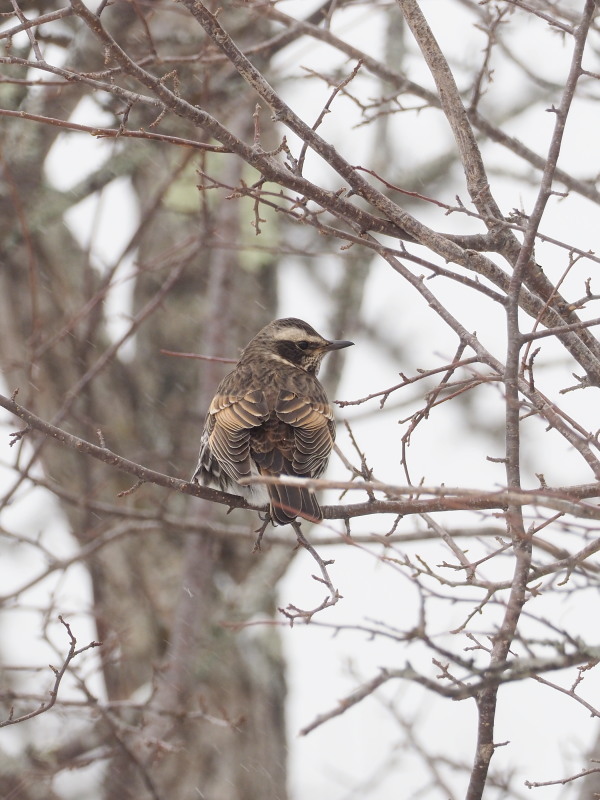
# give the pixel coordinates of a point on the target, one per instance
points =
(271, 417)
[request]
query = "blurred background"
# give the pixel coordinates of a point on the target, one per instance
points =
(115, 247)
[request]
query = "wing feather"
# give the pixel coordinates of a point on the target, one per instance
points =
(314, 431)
(231, 421)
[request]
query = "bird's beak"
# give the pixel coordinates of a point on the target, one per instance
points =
(337, 344)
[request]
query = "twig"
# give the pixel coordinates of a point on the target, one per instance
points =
(58, 676)
(347, 702)
(292, 612)
(218, 359)
(114, 133)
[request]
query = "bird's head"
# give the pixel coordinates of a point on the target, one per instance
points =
(295, 342)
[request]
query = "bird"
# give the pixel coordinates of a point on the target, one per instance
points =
(271, 417)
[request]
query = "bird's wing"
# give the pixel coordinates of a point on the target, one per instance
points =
(230, 421)
(314, 431)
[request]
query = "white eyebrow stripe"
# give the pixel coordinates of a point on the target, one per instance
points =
(296, 334)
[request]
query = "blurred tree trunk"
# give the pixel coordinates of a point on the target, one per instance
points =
(158, 597)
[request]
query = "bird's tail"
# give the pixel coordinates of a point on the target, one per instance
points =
(289, 502)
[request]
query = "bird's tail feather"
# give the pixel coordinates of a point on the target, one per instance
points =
(289, 502)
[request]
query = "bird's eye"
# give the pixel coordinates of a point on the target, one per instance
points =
(302, 345)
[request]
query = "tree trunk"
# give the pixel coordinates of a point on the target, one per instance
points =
(214, 726)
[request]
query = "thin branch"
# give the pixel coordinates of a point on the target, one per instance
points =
(114, 133)
(567, 500)
(59, 674)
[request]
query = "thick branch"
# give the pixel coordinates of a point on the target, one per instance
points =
(566, 500)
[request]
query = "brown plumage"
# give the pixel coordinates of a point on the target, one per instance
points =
(270, 416)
